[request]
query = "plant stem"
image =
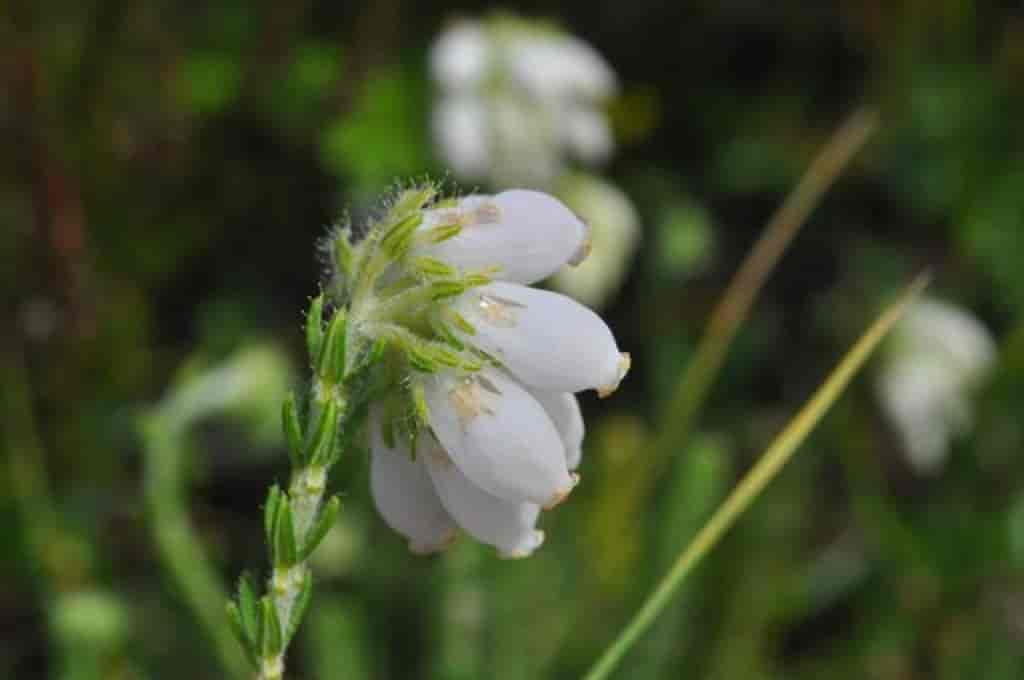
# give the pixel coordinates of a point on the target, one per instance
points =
(774, 457)
(678, 416)
(306, 494)
(181, 552)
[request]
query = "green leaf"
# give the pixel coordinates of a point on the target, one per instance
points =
(324, 522)
(330, 363)
(292, 430)
(271, 642)
(315, 327)
(300, 606)
(270, 510)
(325, 440)
(248, 609)
(235, 621)
(285, 548)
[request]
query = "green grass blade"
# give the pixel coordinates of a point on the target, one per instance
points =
(774, 457)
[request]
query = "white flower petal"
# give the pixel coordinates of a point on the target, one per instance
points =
(561, 66)
(499, 436)
(527, 235)
(507, 525)
(458, 60)
(587, 134)
(461, 134)
(547, 340)
(564, 410)
(405, 496)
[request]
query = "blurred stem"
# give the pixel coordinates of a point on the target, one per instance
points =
(774, 457)
(62, 568)
(180, 549)
(678, 417)
(27, 468)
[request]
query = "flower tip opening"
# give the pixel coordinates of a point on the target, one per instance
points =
(559, 497)
(534, 541)
(586, 245)
(625, 361)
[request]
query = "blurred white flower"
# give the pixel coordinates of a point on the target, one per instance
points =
(517, 100)
(937, 356)
(495, 443)
(614, 237)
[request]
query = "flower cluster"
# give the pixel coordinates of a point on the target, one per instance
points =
(937, 355)
(519, 99)
(473, 422)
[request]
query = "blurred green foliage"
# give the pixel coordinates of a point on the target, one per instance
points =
(169, 168)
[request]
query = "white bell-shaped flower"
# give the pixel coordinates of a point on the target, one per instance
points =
(458, 60)
(547, 340)
(404, 494)
(561, 66)
(524, 236)
(460, 124)
(937, 355)
(587, 134)
(499, 436)
(509, 526)
(564, 410)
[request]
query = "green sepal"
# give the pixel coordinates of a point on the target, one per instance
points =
(432, 267)
(419, 403)
(439, 290)
(315, 326)
(323, 523)
(270, 510)
(341, 251)
(460, 322)
(370, 356)
(442, 232)
(285, 550)
(420, 360)
(445, 356)
(292, 430)
(330, 364)
(446, 334)
(474, 280)
(398, 238)
(235, 621)
(249, 610)
(299, 606)
(325, 440)
(271, 642)
(412, 200)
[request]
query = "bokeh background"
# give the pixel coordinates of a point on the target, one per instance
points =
(168, 169)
